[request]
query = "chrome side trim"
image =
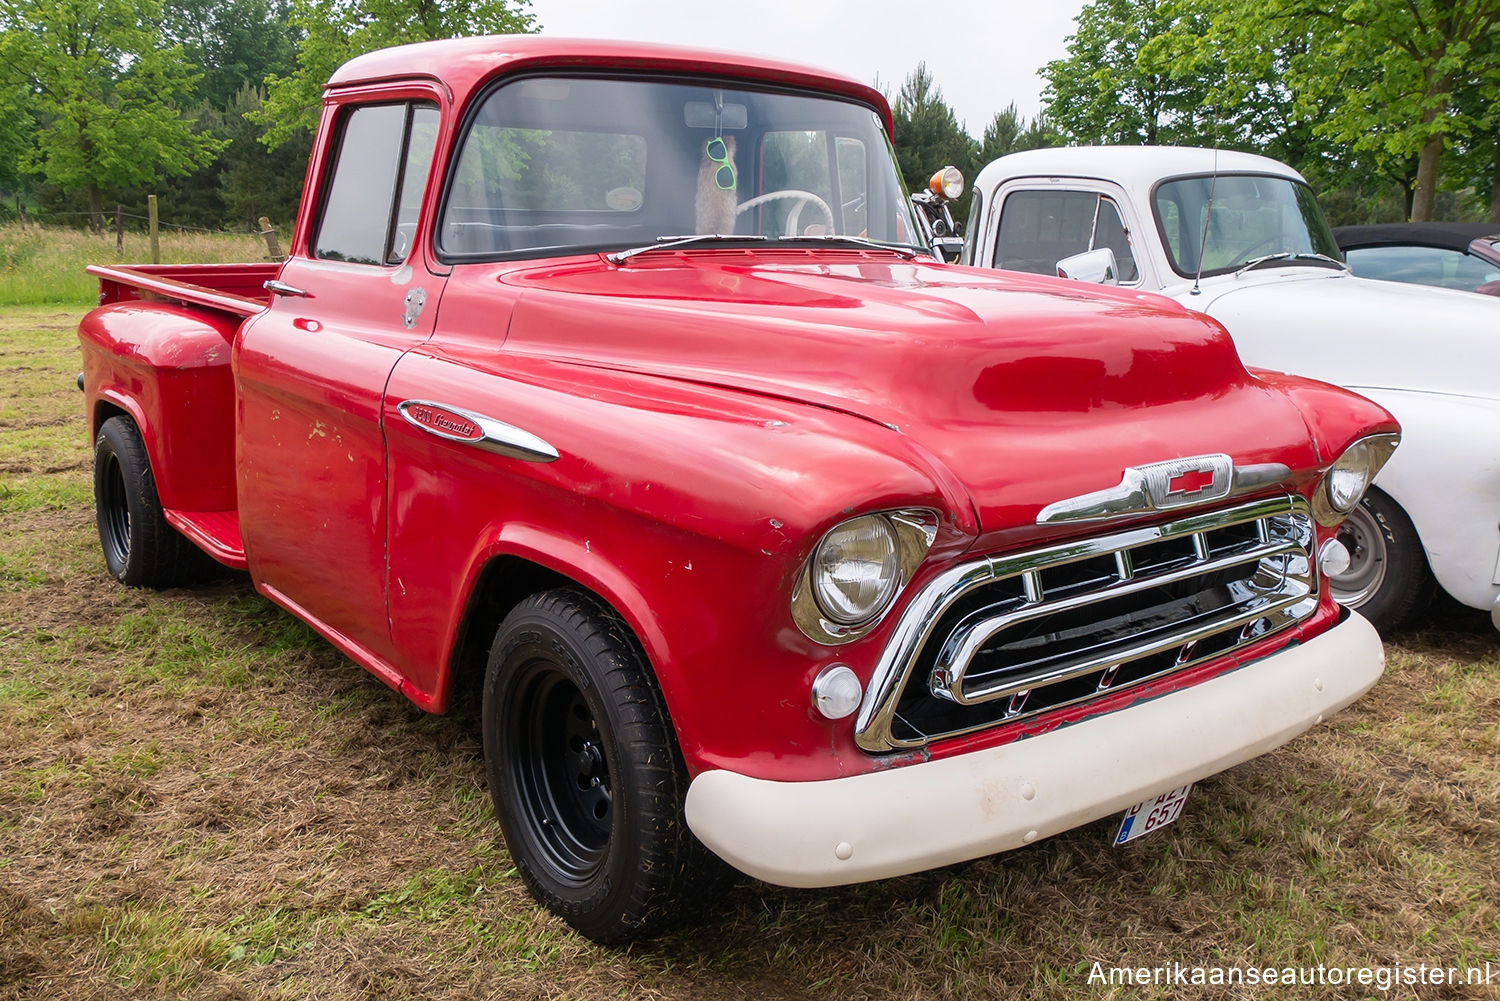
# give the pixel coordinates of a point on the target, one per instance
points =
(1149, 487)
(873, 724)
(483, 432)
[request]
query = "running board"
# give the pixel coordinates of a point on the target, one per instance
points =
(217, 533)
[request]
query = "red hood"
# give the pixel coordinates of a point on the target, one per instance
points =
(1028, 390)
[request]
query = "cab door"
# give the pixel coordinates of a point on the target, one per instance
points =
(311, 371)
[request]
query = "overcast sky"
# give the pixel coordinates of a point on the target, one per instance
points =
(985, 56)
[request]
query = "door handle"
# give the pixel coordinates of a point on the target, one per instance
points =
(282, 288)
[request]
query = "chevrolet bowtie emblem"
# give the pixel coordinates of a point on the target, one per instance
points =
(1159, 486)
(1191, 482)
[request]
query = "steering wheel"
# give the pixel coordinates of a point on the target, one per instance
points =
(802, 197)
(1248, 252)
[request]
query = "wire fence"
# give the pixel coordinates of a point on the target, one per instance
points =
(115, 222)
(43, 217)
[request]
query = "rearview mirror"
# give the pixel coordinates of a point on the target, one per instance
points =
(1097, 266)
(703, 115)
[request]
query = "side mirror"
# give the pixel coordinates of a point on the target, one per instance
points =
(1097, 266)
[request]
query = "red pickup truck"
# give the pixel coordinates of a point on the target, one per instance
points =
(608, 379)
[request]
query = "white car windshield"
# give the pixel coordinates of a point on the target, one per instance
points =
(1237, 219)
(556, 164)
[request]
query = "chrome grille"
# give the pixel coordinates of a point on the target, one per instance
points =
(1019, 634)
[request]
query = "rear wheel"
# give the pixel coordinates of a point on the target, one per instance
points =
(586, 776)
(1388, 580)
(140, 548)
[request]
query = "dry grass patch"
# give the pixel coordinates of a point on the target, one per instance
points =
(201, 799)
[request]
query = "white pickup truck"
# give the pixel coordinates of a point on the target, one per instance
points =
(1242, 239)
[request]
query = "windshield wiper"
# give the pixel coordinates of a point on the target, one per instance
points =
(667, 242)
(1291, 256)
(907, 249)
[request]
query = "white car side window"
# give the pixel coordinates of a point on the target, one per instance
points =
(1038, 228)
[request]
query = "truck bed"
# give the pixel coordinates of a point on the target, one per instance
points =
(231, 288)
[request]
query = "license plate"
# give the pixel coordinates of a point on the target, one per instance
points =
(1154, 813)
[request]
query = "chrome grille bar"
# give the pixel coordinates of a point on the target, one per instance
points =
(1283, 592)
(965, 641)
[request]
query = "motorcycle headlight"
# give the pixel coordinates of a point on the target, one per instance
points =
(1350, 476)
(856, 569)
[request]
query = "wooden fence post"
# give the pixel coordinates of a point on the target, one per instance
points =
(21, 211)
(119, 230)
(273, 248)
(151, 224)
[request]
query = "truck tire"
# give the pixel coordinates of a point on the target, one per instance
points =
(140, 548)
(1388, 580)
(587, 779)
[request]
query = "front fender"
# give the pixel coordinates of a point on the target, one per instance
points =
(1446, 477)
(689, 509)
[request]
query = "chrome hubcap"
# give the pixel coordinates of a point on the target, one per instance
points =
(1362, 536)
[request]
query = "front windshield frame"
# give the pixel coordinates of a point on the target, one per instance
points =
(891, 189)
(1319, 237)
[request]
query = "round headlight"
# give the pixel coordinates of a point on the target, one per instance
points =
(947, 183)
(1347, 480)
(856, 570)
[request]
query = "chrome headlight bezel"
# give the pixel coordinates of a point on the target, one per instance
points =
(1347, 478)
(913, 530)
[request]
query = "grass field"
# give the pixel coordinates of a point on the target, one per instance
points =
(45, 265)
(201, 799)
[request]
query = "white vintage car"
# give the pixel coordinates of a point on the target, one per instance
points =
(1241, 238)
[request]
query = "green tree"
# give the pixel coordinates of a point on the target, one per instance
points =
(1008, 133)
(928, 136)
(1110, 91)
(236, 44)
(1410, 62)
(1476, 160)
(16, 129)
(335, 31)
(232, 42)
(106, 94)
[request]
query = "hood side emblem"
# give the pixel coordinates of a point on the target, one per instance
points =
(1161, 486)
(469, 428)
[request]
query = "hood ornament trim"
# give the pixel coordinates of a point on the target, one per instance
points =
(1162, 486)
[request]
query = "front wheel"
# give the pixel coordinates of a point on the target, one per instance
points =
(586, 776)
(1388, 580)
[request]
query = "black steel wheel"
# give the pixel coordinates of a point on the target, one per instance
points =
(562, 773)
(1388, 580)
(140, 548)
(586, 776)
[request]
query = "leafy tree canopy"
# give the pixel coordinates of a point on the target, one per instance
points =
(233, 42)
(107, 91)
(335, 31)
(1109, 90)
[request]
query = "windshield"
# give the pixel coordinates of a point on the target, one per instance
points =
(1253, 216)
(553, 165)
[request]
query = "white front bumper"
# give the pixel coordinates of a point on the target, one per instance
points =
(935, 813)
